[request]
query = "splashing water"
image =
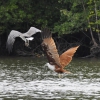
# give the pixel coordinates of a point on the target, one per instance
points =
(26, 79)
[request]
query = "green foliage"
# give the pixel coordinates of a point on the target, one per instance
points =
(94, 14)
(79, 16)
(71, 20)
(22, 14)
(62, 16)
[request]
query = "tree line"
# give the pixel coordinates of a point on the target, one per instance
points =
(61, 16)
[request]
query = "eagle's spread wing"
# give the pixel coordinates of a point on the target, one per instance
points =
(49, 48)
(66, 57)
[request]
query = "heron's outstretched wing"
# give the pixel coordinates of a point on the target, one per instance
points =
(11, 39)
(31, 32)
(66, 57)
(49, 48)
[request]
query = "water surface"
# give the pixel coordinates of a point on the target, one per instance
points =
(26, 78)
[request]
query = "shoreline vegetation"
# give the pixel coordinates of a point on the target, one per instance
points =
(74, 22)
(63, 43)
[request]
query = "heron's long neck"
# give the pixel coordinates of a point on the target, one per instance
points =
(51, 67)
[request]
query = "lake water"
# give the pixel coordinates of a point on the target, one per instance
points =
(26, 78)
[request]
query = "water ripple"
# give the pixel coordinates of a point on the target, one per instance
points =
(30, 82)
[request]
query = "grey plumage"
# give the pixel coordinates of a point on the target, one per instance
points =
(24, 36)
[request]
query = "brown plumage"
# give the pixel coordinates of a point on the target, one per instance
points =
(49, 47)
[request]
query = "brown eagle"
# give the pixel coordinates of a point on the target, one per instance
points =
(56, 62)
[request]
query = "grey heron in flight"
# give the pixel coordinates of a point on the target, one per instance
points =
(24, 36)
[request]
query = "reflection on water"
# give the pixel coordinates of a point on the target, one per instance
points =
(26, 78)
